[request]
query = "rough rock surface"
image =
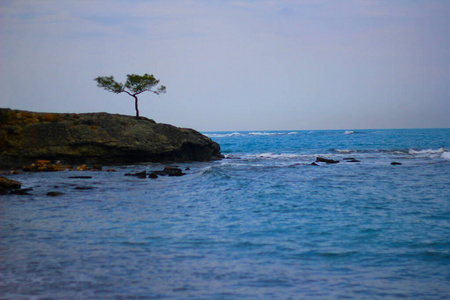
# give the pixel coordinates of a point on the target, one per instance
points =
(96, 138)
(7, 185)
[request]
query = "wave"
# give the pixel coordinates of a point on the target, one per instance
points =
(253, 133)
(265, 133)
(446, 155)
(220, 135)
(349, 132)
(343, 150)
(277, 156)
(427, 152)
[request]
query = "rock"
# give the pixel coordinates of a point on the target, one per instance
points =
(96, 138)
(21, 191)
(54, 194)
(394, 163)
(80, 177)
(81, 168)
(7, 185)
(153, 175)
(170, 171)
(45, 166)
(111, 170)
(173, 171)
(351, 159)
(142, 174)
(326, 160)
(84, 188)
(314, 164)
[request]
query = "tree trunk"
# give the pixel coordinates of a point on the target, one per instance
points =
(136, 106)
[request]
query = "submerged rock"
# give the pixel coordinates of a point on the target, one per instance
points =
(21, 191)
(394, 163)
(142, 174)
(153, 175)
(326, 160)
(54, 194)
(351, 159)
(96, 138)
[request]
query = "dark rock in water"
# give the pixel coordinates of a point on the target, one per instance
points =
(326, 160)
(170, 171)
(84, 188)
(54, 194)
(80, 177)
(96, 139)
(153, 175)
(394, 163)
(351, 160)
(173, 171)
(142, 174)
(97, 168)
(21, 191)
(7, 185)
(314, 164)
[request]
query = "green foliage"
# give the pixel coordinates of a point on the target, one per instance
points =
(137, 84)
(133, 86)
(109, 84)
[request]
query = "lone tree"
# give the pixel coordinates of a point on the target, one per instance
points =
(135, 85)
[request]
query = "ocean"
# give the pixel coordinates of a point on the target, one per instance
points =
(263, 223)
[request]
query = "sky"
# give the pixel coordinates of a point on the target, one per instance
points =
(234, 65)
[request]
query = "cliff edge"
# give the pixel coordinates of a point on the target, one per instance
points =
(97, 138)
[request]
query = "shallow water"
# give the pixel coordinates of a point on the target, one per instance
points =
(263, 223)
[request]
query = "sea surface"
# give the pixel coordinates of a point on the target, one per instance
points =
(263, 223)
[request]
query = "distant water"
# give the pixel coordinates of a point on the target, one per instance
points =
(261, 224)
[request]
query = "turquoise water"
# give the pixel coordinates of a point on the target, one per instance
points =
(261, 224)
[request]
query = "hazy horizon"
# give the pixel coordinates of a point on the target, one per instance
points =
(237, 65)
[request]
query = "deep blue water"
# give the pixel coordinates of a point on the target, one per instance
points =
(261, 224)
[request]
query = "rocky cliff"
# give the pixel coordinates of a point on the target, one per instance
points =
(96, 138)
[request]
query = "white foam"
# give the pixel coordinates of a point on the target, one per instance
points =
(445, 155)
(426, 152)
(262, 133)
(343, 150)
(219, 135)
(277, 156)
(349, 132)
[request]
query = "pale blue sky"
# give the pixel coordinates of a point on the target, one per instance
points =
(234, 65)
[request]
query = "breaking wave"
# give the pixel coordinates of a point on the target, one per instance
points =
(446, 155)
(221, 135)
(428, 152)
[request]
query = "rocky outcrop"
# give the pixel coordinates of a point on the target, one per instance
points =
(8, 185)
(96, 138)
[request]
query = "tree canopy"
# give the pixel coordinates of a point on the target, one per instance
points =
(133, 86)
